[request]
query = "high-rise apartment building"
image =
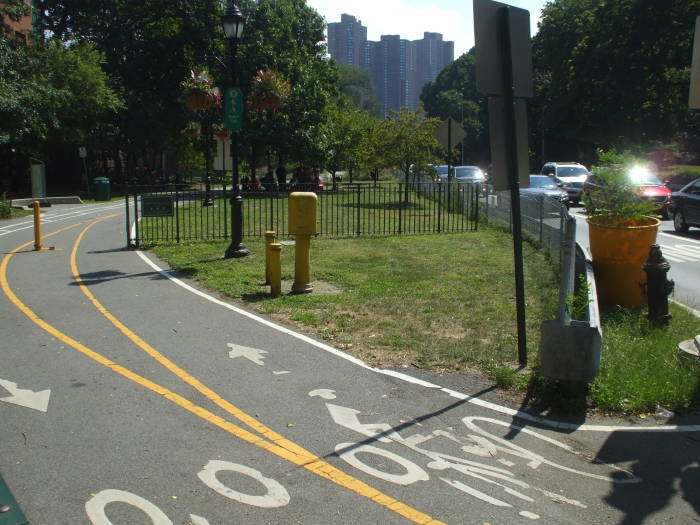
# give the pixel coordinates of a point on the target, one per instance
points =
(399, 68)
(346, 40)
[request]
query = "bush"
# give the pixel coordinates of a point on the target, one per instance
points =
(5, 209)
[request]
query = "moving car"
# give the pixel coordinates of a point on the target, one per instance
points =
(570, 176)
(440, 172)
(685, 207)
(469, 174)
(544, 185)
(645, 183)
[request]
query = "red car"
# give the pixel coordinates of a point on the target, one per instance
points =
(646, 185)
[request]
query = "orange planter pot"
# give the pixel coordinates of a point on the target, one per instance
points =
(618, 253)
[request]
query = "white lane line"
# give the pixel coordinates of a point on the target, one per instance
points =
(26, 225)
(677, 238)
(404, 377)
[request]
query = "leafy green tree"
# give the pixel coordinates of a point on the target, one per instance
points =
(345, 128)
(454, 94)
(357, 85)
(402, 140)
(614, 73)
(54, 96)
(288, 36)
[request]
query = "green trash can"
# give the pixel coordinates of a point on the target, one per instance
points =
(103, 190)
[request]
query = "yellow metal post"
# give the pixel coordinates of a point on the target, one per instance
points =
(269, 239)
(302, 224)
(302, 263)
(37, 227)
(275, 269)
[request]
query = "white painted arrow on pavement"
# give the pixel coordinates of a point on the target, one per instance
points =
(25, 398)
(255, 355)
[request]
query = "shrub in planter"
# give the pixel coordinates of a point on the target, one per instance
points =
(621, 229)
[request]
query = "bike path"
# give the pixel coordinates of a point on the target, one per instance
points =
(385, 444)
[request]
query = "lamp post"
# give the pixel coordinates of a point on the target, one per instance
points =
(233, 22)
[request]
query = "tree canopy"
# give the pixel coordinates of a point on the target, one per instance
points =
(614, 73)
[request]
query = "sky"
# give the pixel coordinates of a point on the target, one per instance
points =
(411, 18)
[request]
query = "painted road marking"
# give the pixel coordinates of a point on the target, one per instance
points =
(277, 444)
(681, 252)
(252, 354)
(80, 212)
(510, 412)
(25, 398)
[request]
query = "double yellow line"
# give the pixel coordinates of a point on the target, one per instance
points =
(266, 438)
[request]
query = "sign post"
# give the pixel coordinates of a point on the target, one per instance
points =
(504, 72)
(449, 133)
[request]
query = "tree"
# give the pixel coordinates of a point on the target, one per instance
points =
(402, 140)
(54, 96)
(614, 73)
(454, 94)
(357, 85)
(345, 128)
(288, 36)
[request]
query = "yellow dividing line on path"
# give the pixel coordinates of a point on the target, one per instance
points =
(277, 444)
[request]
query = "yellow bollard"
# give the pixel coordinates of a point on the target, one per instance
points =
(269, 239)
(37, 227)
(302, 224)
(275, 269)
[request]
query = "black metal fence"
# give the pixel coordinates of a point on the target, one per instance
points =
(178, 213)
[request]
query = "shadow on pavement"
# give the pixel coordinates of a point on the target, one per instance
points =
(110, 275)
(410, 424)
(667, 463)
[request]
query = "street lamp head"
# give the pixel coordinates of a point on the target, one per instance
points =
(233, 21)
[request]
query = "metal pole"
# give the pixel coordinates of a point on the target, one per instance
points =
(236, 249)
(207, 159)
(513, 176)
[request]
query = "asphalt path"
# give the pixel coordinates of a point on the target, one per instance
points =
(130, 396)
(681, 250)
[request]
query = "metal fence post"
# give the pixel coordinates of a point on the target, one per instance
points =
(359, 195)
(128, 221)
(177, 216)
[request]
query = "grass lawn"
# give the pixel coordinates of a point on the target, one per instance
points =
(446, 302)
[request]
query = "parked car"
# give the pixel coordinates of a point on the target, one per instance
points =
(469, 174)
(645, 183)
(685, 207)
(569, 176)
(544, 185)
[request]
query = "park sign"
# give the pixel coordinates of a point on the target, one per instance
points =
(156, 206)
(233, 109)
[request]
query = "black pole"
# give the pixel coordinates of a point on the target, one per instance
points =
(208, 201)
(514, 182)
(236, 249)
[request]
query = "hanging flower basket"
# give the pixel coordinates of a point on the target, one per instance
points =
(270, 90)
(198, 90)
(199, 100)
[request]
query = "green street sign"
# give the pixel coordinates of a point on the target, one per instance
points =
(233, 109)
(156, 206)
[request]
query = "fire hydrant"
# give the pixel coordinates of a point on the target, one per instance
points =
(659, 287)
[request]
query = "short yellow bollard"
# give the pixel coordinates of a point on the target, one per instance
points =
(275, 269)
(269, 239)
(37, 227)
(302, 224)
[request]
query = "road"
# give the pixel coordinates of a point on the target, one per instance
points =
(682, 251)
(129, 396)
